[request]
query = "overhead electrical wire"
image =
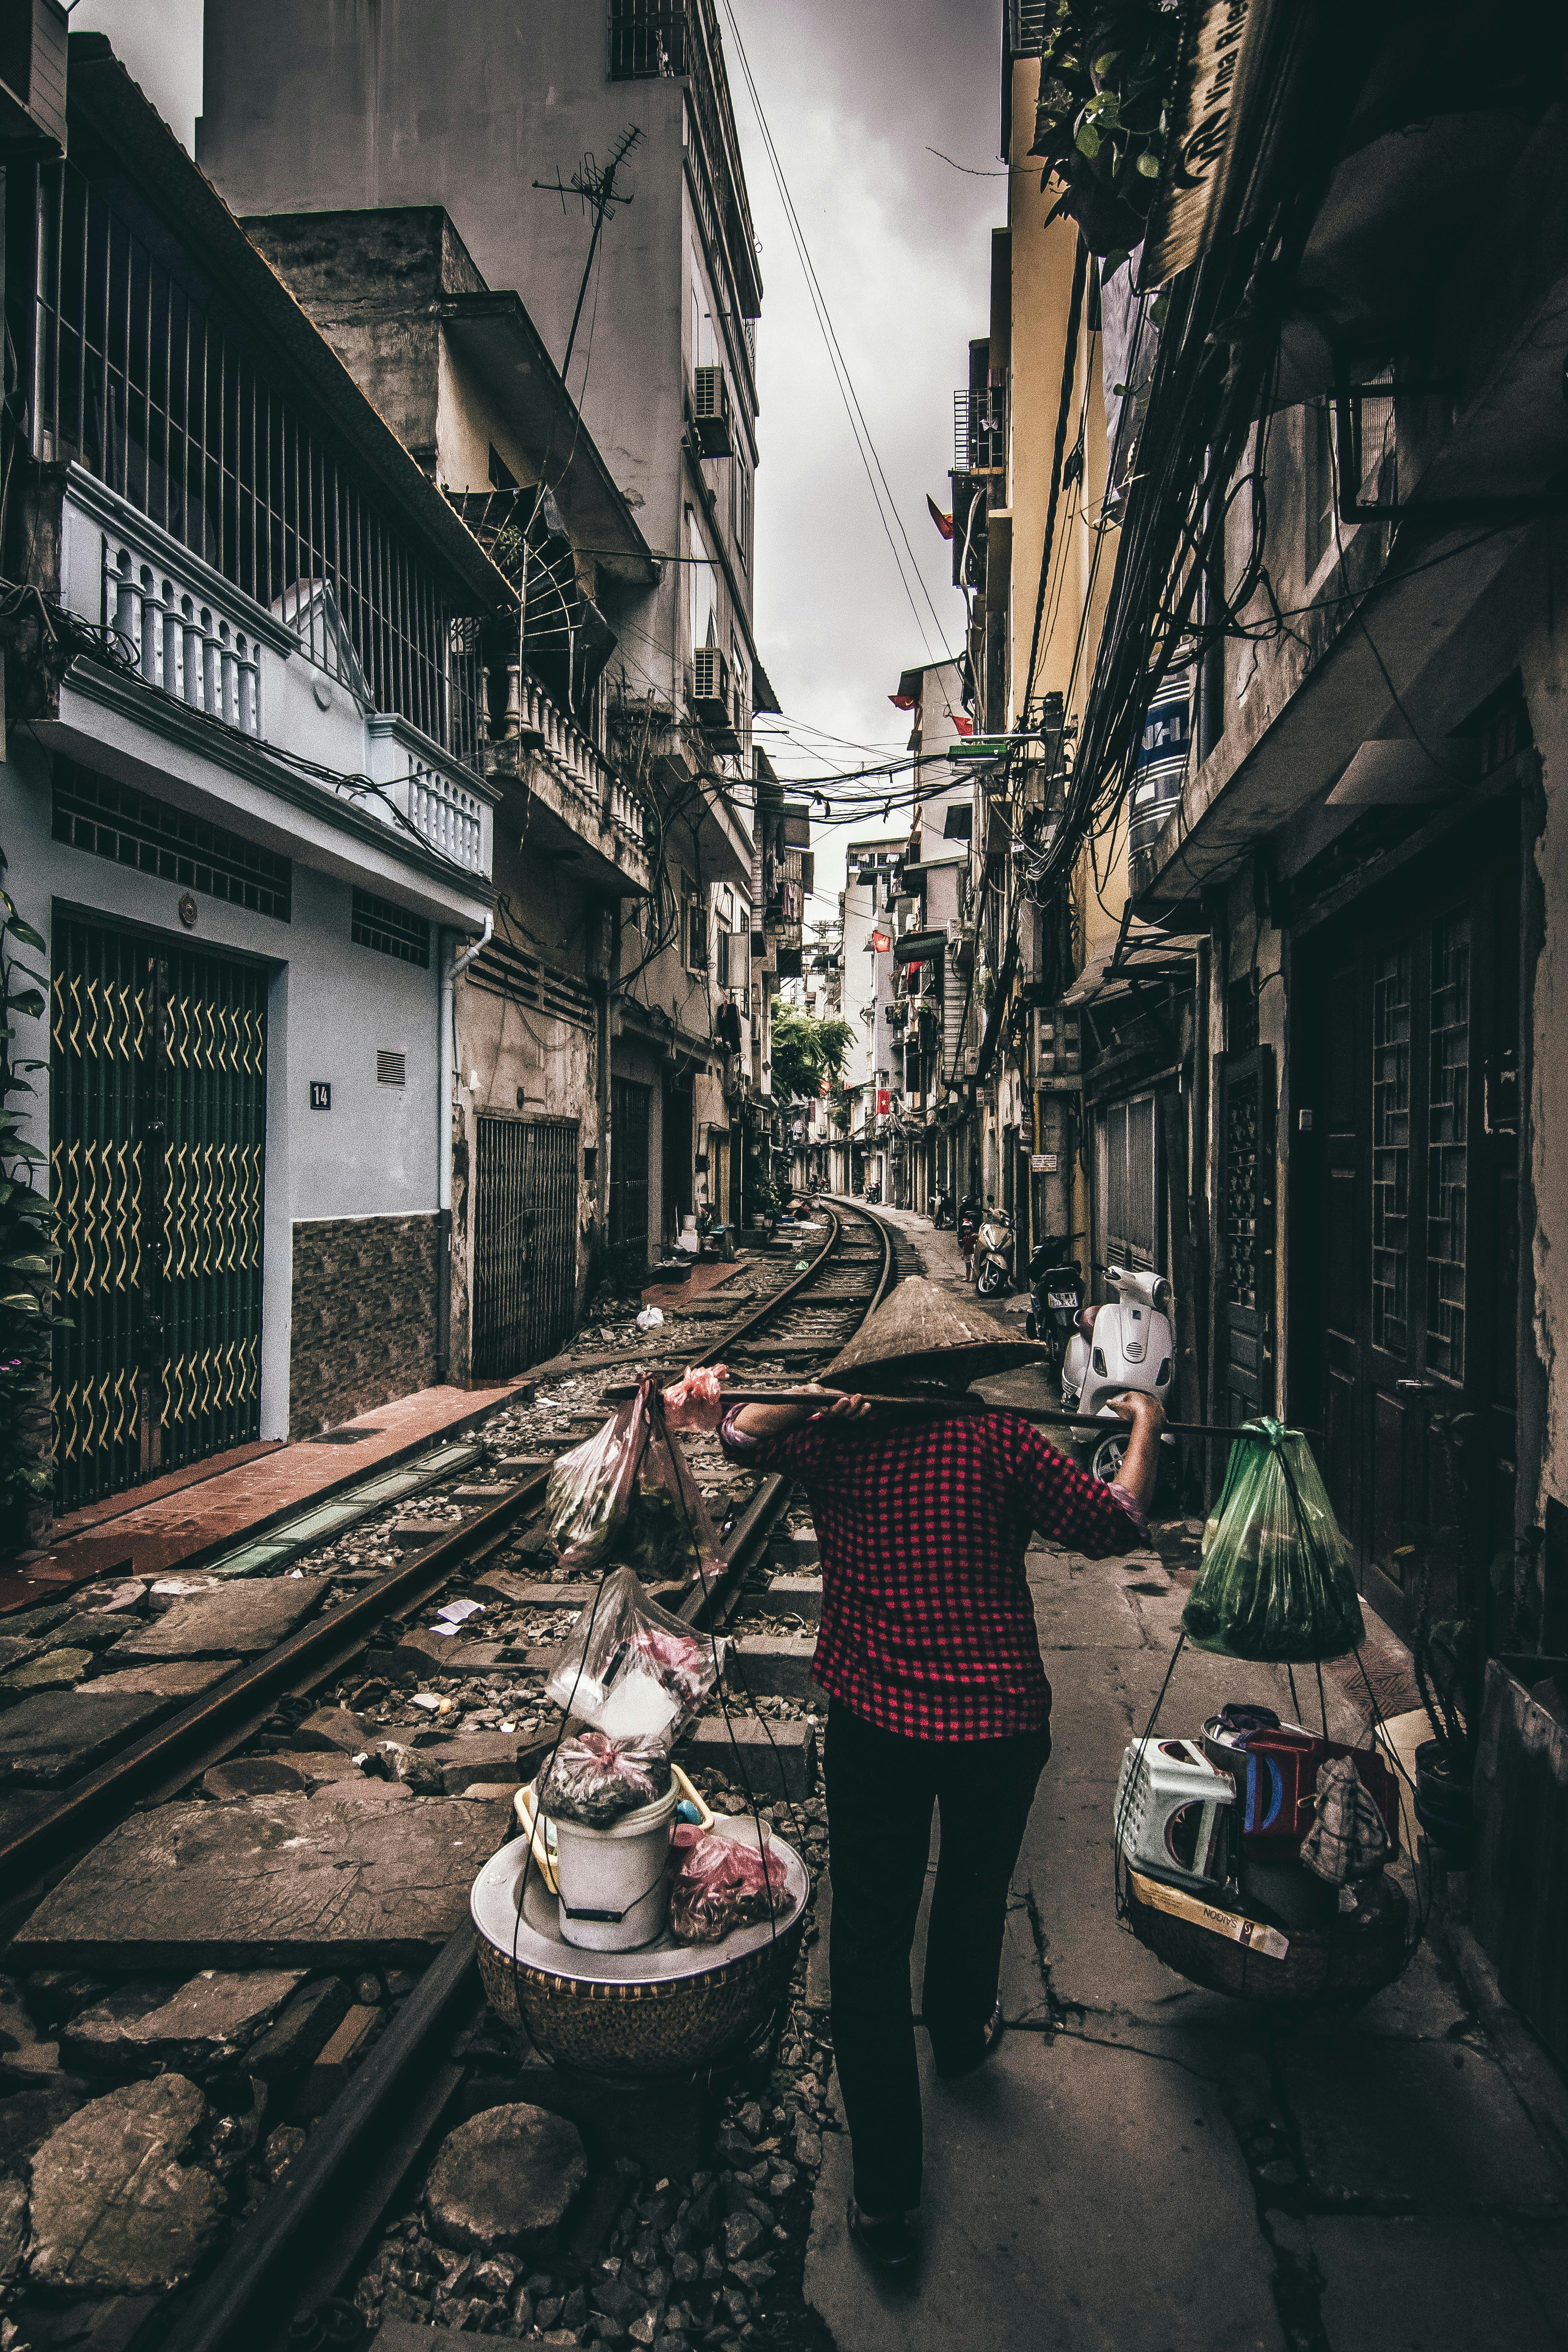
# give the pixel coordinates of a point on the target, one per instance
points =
(882, 496)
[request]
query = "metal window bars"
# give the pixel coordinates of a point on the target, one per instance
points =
(980, 429)
(136, 376)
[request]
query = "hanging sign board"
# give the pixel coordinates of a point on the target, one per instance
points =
(1042, 1163)
(1226, 81)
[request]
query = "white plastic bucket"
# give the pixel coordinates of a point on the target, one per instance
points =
(615, 1891)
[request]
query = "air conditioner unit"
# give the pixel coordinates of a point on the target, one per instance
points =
(33, 41)
(710, 413)
(710, 689)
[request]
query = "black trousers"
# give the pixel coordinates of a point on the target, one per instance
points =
(880, 1791)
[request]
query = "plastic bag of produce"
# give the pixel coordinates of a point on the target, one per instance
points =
(718, 1883)
(596, 1779)
(628, 1496)
(631, 1669)
(1276, 1581)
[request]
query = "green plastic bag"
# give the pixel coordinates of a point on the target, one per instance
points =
(1276, 1584)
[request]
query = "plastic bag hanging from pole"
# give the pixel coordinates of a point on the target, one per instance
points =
(627, 1497)
(631, 1669)
(1276, 1584)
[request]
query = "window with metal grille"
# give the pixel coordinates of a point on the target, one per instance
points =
(136, 377)
(389, 929)
(647, 40)
(1127, 1145)
(112, 820)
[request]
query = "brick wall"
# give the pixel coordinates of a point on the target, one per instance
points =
(364, 1316)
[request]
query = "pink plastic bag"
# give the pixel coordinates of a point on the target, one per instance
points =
(627, 1497)
(697, 1400)
(718, 1883)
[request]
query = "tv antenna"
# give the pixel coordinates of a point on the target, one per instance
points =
(596, 191)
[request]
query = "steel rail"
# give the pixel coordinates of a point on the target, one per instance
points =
(215, 1723)
(231, 1709)
(310, 2235)
(715, 1604)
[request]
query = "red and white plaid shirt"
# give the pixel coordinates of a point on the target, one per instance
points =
(928, 1627)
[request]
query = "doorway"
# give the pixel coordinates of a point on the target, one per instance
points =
(157, 1146)
(1405, 1274)
(629, 1122)
(525, 1241)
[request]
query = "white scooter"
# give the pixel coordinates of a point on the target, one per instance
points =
(1129, 1343)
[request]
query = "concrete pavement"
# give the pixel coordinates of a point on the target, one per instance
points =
(1145, 2167)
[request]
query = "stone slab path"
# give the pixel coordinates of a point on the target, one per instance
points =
(277, 1881)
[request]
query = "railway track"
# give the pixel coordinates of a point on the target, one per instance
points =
(304, 2241)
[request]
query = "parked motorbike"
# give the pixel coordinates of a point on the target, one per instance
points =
(873, 1193)
(1129, 1343)
(968, 1231)
(994, 1253)
(1056, 1300)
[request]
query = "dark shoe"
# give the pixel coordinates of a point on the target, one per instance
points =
(991, 2033)
(892, 2244)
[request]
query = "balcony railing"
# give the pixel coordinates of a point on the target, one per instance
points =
(425, 789)
(533, 719)
(180, 639)
(980, 430)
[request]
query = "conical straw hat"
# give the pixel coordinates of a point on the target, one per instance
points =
(921, 1333)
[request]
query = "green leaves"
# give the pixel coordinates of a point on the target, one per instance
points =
(1149, 164)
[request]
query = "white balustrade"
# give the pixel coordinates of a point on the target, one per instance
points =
(180, 641)
(572, 754)
(450, 816)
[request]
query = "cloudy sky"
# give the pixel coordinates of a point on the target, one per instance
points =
(856, 96)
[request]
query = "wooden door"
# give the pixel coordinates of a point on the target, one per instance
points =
(1403, 1275)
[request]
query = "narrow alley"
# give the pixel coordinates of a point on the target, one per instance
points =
(784, 1506)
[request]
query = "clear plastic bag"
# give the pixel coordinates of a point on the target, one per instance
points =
(631, 1669)
(628, 1496)
(596, 1779)
(718, 1883)
(1275, 1582)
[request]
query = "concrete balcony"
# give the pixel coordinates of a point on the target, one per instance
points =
(442, 802)
(579, 809)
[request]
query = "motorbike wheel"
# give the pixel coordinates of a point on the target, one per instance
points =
(1109, 1455)
(991, 1282)
(1029, 1330)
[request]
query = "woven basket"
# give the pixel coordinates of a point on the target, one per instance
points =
(1336, 1966)
(639, 2033)
(634, 2017)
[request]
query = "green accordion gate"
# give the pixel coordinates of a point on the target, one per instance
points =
(158, 1109)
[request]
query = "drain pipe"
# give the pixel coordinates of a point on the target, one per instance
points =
(451, 972)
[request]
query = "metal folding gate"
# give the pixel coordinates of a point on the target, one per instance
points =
(157, 1119)
(525, 1241)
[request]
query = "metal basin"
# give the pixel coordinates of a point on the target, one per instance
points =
(670, 2009)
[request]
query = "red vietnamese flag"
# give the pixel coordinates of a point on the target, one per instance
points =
(964, 725)
(880, 942)
(884, 1102)
(942, 522)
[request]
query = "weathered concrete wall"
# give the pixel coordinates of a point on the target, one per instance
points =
(1543, 1338)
